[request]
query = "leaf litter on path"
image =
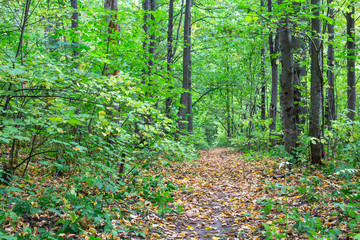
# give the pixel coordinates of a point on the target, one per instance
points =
(217, 192)
(225, 196)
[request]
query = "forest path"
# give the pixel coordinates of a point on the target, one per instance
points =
(219, 193)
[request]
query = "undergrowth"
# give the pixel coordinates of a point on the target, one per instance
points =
(311, 202)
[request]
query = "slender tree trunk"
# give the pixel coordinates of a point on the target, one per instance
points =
(228, 112)
(186, 95)
(263, 80)
(274, 47)
(330, 71)
(315, 92)
(189, 110)
(149, 43)
(74, 26)
(113, 6)
(169, 56)
(152, 37)
(21, 40)
(146, 70)
(287, 85)
(113, 28)
(351, 58)
(263, 86)
(299, 52)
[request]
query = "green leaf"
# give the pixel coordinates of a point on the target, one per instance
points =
(14, 189)
(352, 213)
(73, 216)
(357, 236)
(248, 18)
(14, 216)
(55, 211)
(142, 234)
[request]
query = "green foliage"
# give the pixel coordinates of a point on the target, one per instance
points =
(270, 232)
(313, 227)
(65, 117)
(344, 140)
(267, 205)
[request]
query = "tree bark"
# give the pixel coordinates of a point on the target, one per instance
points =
(20, 46)
(351, 58)
(299, 51)
(330, 72)
(316, 80)
(287, 85)
(186, 95)
(74, 26)
(149, 43)
(274, 47)
(263, 80)
(169, 56)
(111, 5)
(145, 70)
(228, 113)
(152, 37)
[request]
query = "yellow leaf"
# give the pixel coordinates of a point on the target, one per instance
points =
(92, 230)
(102, 114)
(208, 228)
(190, 227)
(155, 235)
(216, 238)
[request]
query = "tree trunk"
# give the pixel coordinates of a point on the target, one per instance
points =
(152, 37)
(145, 70)
(113, 27)
(351, 58)
(274, 47)
(149, 43)
(263, 80)
(330, 73)
(189, 110)
(74, 26)
(169, 56)
(299, 51)
(228, 111)
(186, 95)
(20, 46)
(287, 86)
(315, 92)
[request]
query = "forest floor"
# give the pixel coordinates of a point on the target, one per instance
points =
(220, 194)
(226, 196)
(223, 195)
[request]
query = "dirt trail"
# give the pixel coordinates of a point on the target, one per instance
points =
(217, 191)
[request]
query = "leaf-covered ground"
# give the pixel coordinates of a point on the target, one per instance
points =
(222, 195)
(228, 197)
